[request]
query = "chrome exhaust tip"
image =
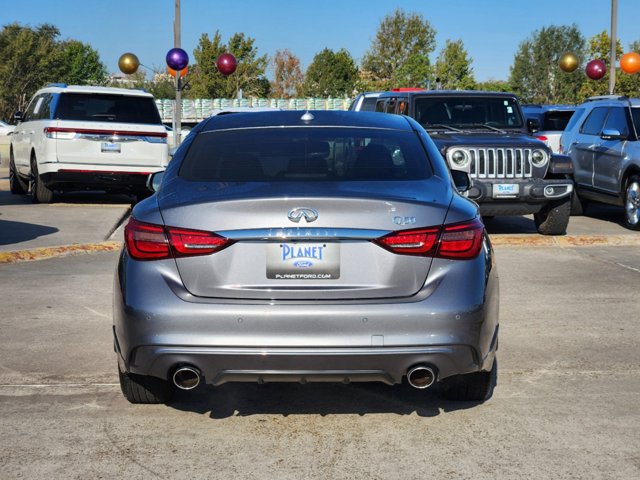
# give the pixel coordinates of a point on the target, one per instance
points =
(421, 377)
(186, 378)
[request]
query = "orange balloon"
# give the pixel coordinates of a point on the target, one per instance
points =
(172, 72)
(630, 62)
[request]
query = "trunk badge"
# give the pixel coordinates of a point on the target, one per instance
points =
(309, 214)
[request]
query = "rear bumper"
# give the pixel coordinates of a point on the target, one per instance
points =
(451, 325)
(111, 180)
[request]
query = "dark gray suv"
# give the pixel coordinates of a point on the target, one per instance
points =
(605, 151)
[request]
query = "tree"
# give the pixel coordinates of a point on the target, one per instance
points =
(535, 75)
(492, 85)
(80, 64)
(453, 67)
(32, 57)
(331, 74)
(399, 54)
(207, 82)
(288, 78)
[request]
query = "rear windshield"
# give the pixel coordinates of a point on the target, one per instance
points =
(305, 154)
(556, 119)
(468, 112)
(107, 108)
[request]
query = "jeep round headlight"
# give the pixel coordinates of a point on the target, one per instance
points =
(539, 157)
(459, 159)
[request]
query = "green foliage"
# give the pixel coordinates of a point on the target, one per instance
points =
(453, 67)
(207, 82)
(32, 57)
(535, 75)
(399, 54)
(494, 86)
(331, 74)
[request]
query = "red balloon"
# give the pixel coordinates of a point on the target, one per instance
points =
(226, 64)
(595, 69)
(630, 62)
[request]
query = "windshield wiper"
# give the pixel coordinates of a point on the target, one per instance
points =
(434, 126)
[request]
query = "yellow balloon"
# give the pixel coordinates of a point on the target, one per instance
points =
(568, 62)
(128, 63)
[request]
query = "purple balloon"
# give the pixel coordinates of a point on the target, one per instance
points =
(595, 69)
(177, 59)
(226, 64)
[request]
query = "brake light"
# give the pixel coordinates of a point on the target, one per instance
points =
(146, 241)
(462, 241)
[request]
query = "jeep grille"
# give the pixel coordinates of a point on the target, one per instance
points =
(500, 163)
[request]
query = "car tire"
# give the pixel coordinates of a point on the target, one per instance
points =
(471, 387)
(40, 193)
(16, 185)
(144, 389)
(632, 203)
(553, 218)
(578, 205)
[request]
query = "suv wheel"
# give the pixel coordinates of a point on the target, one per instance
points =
(39, 191)
(632, 203)
(553, 218)
(16, 185)
(472, 387)
(143, 388)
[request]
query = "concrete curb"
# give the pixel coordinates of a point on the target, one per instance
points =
(501, 240)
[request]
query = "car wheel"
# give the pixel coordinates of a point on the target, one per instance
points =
(16, 185)
(40, 193)
(578, 205)
(632, 203)
(144, 389)
(553, 218)
(471, 387)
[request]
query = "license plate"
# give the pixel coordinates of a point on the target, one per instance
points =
(110, 147)
(505, 190)
(303, 261)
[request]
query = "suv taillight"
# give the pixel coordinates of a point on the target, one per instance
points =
(461, 241)
(146, 241)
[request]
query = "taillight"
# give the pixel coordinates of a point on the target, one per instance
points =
(146, 241)
(542, 137)
(462, 241)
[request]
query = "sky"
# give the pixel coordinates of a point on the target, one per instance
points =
(490, 29)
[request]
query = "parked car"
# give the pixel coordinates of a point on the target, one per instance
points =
(6, 129)
(547, 122)
(86, 138)
(605, 150)
(306, 246)
(484, 134)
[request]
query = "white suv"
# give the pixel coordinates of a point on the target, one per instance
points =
(86, 138)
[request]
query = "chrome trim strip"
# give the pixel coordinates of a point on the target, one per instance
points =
(304, 350)
(279, 234)
(111, 138)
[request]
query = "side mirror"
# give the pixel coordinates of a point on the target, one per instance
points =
(17, 116)
(461, 180)
(533, 125)
(612, 134)
(154, 181)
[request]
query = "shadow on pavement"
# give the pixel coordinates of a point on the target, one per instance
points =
(81, 198)
(16, 232)
(244, 399)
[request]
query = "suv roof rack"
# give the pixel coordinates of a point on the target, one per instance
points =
(607, 97)
(60, 85)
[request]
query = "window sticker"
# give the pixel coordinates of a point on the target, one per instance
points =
(509, 109)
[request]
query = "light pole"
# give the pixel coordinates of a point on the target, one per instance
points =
(614, 44)
(177, 111)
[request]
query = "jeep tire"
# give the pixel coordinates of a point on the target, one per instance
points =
(553, 218)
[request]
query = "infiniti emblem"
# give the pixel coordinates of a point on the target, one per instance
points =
(309, 214)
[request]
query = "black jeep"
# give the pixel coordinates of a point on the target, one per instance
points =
(484, 134)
